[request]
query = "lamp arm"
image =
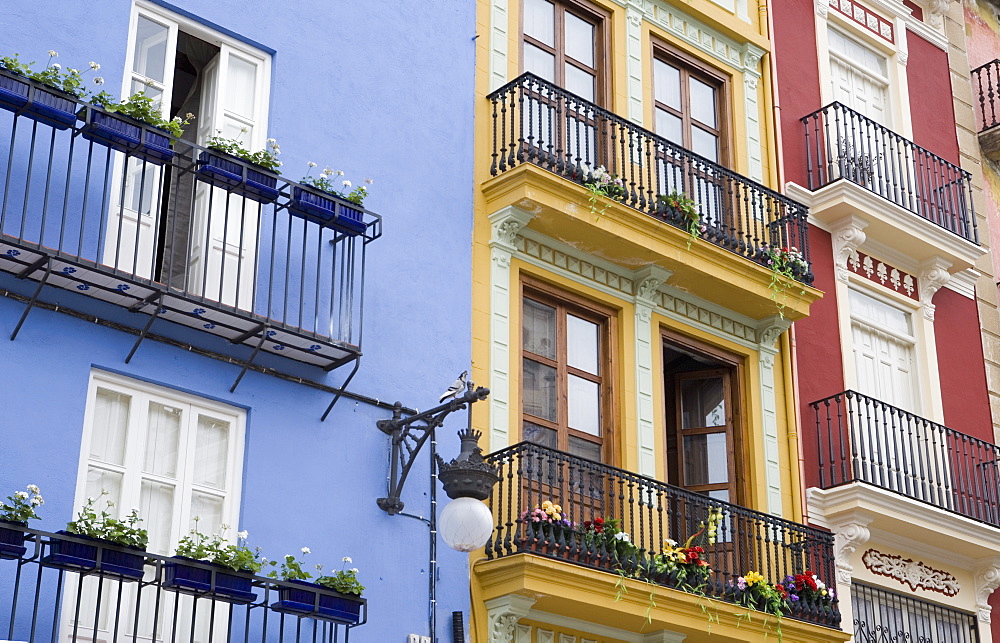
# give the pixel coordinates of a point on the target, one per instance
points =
(410, 434)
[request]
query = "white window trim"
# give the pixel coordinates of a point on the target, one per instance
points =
(138, 389)
(898, 92)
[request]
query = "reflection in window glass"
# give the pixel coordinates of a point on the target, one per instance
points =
(667, 84)
(539, 329)
(705, 459)
(702, 102)
(150, 49)
(538, 390)
(539, 21)
(703, 403)
(580, 82)
(540, 63)
(579, 40)
(582, 344)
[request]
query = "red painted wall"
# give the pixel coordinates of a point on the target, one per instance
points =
(798, 79)
(931, 109)
(960, 363)
(817, 346)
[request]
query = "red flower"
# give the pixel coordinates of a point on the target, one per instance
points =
(781, 591)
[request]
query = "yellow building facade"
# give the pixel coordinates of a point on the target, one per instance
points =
(631, 323)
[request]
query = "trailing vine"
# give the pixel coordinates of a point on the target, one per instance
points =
(785, 264)
(686, 206)
(602, 183)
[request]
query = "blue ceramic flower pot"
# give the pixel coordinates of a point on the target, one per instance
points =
(331, 606)
(330, 212)
(12, 539)
(71, 555)
(127, 135)
(229, 586)
(228, 172)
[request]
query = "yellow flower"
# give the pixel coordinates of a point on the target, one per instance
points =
(557, 508)
(752, 578)
(547, 505)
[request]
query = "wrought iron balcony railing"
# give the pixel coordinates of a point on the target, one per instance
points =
(537, 122)
(590, 494)
(881, 616)
(45, 595)
(986, 81)
(843, 144)
(189, 235)
(861, 439)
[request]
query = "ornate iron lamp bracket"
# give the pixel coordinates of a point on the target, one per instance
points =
(411, 433)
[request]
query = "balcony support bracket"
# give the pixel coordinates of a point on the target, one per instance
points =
(246, 365)
(343, 387)
(34, 298)
(153, 297)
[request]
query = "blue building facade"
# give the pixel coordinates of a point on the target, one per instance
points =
(151, 286)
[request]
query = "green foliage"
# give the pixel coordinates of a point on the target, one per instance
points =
(785, 264)
(344, 581)
(103, 525)
(290, 568)
(602, 183)
(686, 206)
(266, 158)
(216, 549)
(143, 108)
(20, 505)
(69, 81)
(326, 183)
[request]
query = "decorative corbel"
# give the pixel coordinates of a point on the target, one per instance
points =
(848, 235)
(987, 580)
(506, 224)
(936, 11)
(647, 283)
(503, 613)
(822, 8)
(931, 276)
(846, 540)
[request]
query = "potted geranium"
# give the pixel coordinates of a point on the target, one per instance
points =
(128, 541)
(51, 98)
(14, 516)
(545, 525)
(316, 202)
(216, 552)
(221, 165)
(333, 597)
(123, 126)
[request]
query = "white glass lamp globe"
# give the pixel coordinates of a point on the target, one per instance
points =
(466, 524)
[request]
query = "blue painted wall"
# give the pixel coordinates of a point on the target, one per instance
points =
(381, 89)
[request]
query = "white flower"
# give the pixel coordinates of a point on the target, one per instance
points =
(243, 534)
(670, 542)
(223, 527)
(311, 164)
(305, 550)
(328, 170)
(347, 184)
(621, 535)
(72, 71)
(56, 66)
(347, 559)
(23, 495)
(94, 65)
(98, 80)
(33, 488)
(244, 129)
(340, 173)
(354, 570)
(53, 53)
(37, 500)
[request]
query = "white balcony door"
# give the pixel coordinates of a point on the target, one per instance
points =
(860, 77)
(173, 457)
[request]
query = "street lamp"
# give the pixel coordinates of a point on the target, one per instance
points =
(466, 523)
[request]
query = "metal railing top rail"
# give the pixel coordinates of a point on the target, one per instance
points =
(989, 93)
(538, 122)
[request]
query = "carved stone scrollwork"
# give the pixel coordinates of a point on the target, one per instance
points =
(911, 572)
(648, 281)
(770, 330)
(936, 11)
(503, 614)
(822, 8)
(987, 580)
(507, 223)
(932, 276)
(902, 57)
(846, 541)
(848, 235)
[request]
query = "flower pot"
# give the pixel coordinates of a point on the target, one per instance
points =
(12, 539)
(128, 135)
(13, 93)
(333, 213)
(229, 172)
(332, 606)
(71, 555)
(231, 586)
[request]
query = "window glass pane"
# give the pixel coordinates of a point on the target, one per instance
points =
(719, 494)
(539, 329)
(539, 21)
(579, 39)
(107, 443)
(212, 452)
(538, 390)
(585, 449)
(703, 403)
(705, 143)
(584, 405)
(162, 440)
(240, 94)
(156, 506)
(539, 62)
(150, 58)
(580, 82)
(705, 459)
(669, 126)
(208, 509)
(540, 435)
(667, 84)
(702, 102)
(582, 344)
(148, 90)
(99, 480)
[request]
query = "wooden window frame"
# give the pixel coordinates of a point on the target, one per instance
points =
(592, 13)
(569, 303)
(690, 66)
(736, 432)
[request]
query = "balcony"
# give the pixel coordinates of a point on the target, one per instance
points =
(206, 254)
(649, 512)
(986, 96)
(896, 467)
(44, 598)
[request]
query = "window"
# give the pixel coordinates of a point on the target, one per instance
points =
(883, 344)
(565, 377)
(703, 432)
(563, 43)
(187, 68)
(860, 77)
(881, 615)
(689, 100)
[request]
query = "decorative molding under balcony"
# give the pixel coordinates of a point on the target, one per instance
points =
(911, 572)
